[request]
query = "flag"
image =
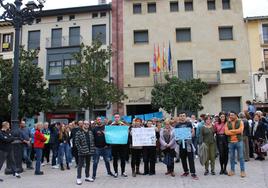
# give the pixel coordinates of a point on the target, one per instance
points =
(164, 61)
(158, 60)
(169, 58)
(154, 60)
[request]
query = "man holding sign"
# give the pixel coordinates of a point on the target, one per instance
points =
(183, 135)
(119, 149)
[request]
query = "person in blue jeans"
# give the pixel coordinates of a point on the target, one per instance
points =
(234, 130)
(102, 148)
(64, 147)
(39, 142)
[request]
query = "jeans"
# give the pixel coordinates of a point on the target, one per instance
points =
(4, 155)
(27, 155)
(239, 147)
(119, 151)
(81, 160)
(38, 155)
(46, 153)
(172, 154)
(64, 149)
(184, 154)
(222, 144)
(149, 158)
(104, 152)
(54, 148)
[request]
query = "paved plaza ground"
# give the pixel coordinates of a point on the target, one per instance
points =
(257, 177)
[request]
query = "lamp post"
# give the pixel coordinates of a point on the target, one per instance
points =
(18, 16)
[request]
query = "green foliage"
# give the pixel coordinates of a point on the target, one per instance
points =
(85, 85)
(176, 93)
(34, 96)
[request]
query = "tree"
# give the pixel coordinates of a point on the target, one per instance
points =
(85, 84)
(34, 96)
(176, 93)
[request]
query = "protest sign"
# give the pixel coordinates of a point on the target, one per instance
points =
(116, 134)
(183, 134)
(143, 137)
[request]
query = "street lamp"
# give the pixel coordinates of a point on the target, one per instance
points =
(18, 16)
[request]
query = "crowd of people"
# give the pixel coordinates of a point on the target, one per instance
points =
(220, 135)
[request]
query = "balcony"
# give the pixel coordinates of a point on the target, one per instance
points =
(264, 40)
(212, 78)
(65, 41)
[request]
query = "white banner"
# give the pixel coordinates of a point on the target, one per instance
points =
(143, 137)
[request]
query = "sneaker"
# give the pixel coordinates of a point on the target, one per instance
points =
(243, 174)
(213, 173)
(167, 173)
(43, 164)
(172, 174)
(206, 173)
(225, 172)
(17, 175)
(194, 176)
(55, 167)
(79, 182)
(115, 175)
(1, 180)
(89, 179)
(185, 174)
(231, 173)
(124, 174)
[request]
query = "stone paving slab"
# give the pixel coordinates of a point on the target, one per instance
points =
(257, 177)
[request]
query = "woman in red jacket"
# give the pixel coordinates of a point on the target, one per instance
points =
(39, 141)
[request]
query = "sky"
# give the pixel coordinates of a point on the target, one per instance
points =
(251, 7)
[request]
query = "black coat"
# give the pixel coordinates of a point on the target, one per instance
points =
(6, 139)
(260, 132)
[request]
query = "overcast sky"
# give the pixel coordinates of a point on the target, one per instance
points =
(251, 7)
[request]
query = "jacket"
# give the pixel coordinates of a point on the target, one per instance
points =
(39, 139)
(260, 131)
(5, 140)
(172, 144)
(81, 142)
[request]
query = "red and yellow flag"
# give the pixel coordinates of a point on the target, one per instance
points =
(158, 62)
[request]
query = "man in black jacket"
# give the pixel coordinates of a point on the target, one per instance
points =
(5, 148)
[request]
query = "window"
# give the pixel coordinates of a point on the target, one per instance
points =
(137, 8)
(95, 15)
(151, 7)
(33, 40)
(55, 68)
(231, 104)
(265, 63)
(188, 5)
(59, 18)
(103, 14)
(226, 33)
(141, 36)
(174, 6)
(7, 42)
(183, 35)
(71, 17)
(185, 69)
(142, 69)
(228, 66)
(265, 33)
(56, 39)
(74, 36)
(226, 4)
(54, 89)
(69, 62)
(99, 32)
(211, 5)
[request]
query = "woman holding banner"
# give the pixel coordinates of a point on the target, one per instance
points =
(149, 155)
(136, 151)
(119, 150)
(168, 145)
